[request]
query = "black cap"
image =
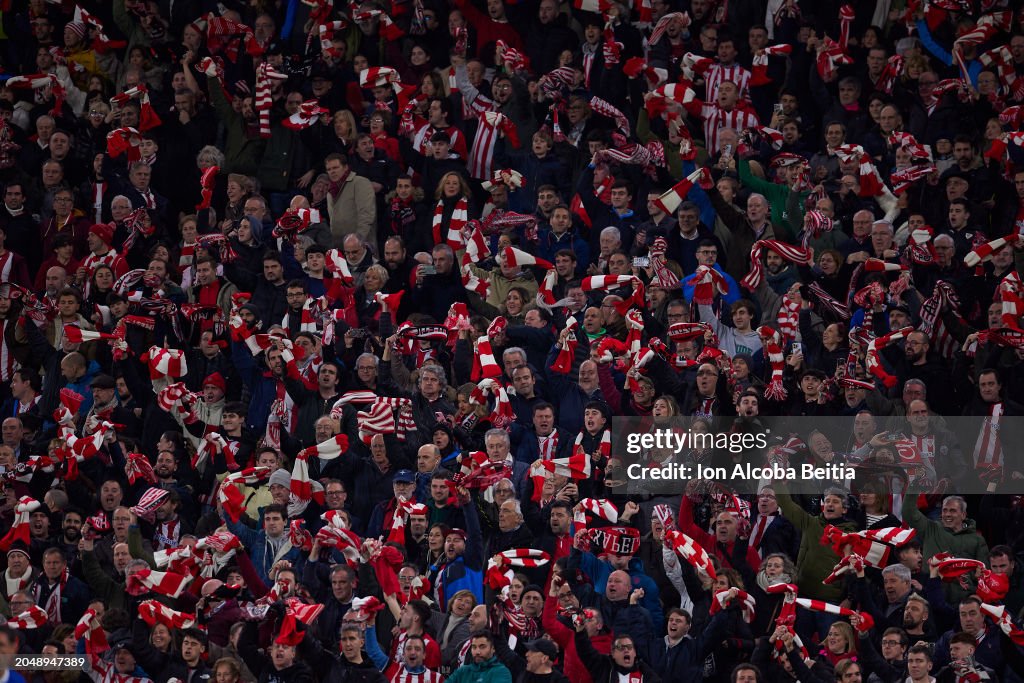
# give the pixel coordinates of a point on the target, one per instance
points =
(899, 306)
(103, 382)
(121, 639)
(320, 71)
(543, 645)
(955, 172)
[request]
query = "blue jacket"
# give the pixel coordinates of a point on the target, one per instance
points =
(598, 570)
(549, 244)
(262, 389)
(259, 550)
(734, 289)
(81, 386)
(467, 571)
(529, 447)
(568, 397)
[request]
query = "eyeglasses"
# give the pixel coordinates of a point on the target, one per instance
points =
(336, 492)
(891, 643)
(624, 648)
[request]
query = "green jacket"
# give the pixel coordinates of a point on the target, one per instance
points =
(129, 26)
(284, 153)
(815, 561)
(491, 671)
(778, 196)
(935, 538)
(242, 154)
(102, 586)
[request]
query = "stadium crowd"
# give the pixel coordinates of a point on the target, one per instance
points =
(314, 319)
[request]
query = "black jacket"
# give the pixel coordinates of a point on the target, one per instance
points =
(337, 668)
(685, 661)
(163, 666)
(603, 668)
(262, 666)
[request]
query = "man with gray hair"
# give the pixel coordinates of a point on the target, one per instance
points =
(746, 227)
(609, 242)
(358, 256)
(896, 586)
(512, 532)
(438, 284)
(953, 533)
(498, 445)
(430, 403)
(882, 246)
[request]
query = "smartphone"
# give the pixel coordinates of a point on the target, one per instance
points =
(727, 152)
(360, 332)
(429, 269)
(798, 347)
(641, 261)
(777, 108)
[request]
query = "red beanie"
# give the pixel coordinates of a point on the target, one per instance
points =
(216, 380)
(105, 231)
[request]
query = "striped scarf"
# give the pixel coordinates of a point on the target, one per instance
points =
(458, 220)
(265, 75)
(788, 318)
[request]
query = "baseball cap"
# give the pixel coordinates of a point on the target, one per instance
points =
(544, 646)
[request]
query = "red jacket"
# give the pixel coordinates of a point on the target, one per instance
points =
(565, 637)
(709, 542)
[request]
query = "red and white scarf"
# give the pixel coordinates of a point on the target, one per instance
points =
(873, 359)
(230, 495)
(19, 530)
(88, 627)
(775, 390)
(788, 252)
(164, 583)
(53, 601)
(988, 449)
(153, 613)
(691, 551)
(866, 622)
(502, 415)
(30, 619)
(707, 283)
(266, 74)
(458, 221)
(759, 68)
(722, 601)
(788, 318)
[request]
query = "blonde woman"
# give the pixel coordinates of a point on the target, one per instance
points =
(343, 125)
